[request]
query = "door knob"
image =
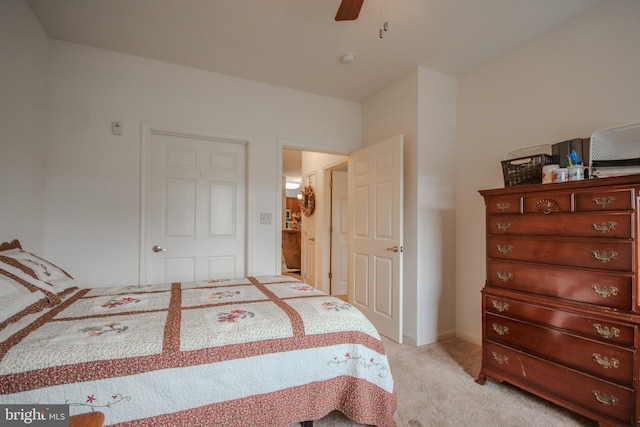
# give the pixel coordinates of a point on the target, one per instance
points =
(157, 248)
(395, 249)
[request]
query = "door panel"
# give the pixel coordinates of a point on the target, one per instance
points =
(384, 210)
(222, 215)
(383, 303)
(194, 209)
(179, 205)
(360, 293)
(339, 233)
(375, 238)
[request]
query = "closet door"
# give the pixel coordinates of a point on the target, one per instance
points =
(195, 208)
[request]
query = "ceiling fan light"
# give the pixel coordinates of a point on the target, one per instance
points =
(291, 185)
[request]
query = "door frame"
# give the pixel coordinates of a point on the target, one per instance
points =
(322, 276)
(326, 233)
(147, 129)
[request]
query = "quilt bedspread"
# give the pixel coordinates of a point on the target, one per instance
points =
(267, 350)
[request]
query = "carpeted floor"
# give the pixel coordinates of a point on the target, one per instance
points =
(436, 387)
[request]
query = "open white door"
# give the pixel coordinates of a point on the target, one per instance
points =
(375, 234)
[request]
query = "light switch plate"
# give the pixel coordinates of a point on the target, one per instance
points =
(116, 128)
(265, 218)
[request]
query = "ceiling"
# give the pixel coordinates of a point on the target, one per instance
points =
(298, 44)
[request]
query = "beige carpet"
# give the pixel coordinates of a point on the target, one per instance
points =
(436, 387)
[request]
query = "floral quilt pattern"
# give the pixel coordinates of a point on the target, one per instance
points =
(86, 351)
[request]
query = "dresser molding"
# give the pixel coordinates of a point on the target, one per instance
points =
(560, 303)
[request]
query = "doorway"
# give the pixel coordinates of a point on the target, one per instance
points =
(375, 222)
(319, 260)
(291, 221)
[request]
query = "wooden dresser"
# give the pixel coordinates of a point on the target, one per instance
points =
(560, 305)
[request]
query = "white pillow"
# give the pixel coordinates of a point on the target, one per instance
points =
(37, 271)
(18, 299)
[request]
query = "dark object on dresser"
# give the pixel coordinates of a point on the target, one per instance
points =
(560, 307)
(524, 170)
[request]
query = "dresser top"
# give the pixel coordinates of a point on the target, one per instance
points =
(628, 180)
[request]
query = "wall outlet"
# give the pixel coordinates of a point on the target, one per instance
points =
(265, 218)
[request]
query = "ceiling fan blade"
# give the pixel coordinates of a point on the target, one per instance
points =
(349, 10)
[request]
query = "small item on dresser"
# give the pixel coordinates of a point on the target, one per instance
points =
(547, 173)
(576, 172)
(561, 175)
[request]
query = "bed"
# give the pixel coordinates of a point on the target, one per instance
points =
(254, 351)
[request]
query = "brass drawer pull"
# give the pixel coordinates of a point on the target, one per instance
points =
(605, 399)
(500, 358)
(605, 331)
(503, 206)
(547, 206)
(604, 202)
(499, 329)
(505, 276)
(504, 226)
(604, 256)
(504, 249)
(500, 306)
(605, 362)
(603, 227)
(605, 291)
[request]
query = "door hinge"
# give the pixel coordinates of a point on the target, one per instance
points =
(330, 275)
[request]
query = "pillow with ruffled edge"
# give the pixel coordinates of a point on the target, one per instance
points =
(36, 270)
(18, 299)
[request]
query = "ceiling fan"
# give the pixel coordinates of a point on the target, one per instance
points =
(349, 10)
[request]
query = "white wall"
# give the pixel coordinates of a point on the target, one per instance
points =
(23, 72)
(422, 106)
(93, 177)
(567, 83)
(436, 206)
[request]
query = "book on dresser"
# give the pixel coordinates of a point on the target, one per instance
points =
(560, 303)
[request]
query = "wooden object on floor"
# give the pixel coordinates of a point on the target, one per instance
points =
(291, 248)
(560, 305)
(88, 419)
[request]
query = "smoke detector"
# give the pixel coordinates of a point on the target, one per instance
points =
(348, 58)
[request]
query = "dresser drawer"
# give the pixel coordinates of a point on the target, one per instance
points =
(612, 225)
(554, 381)
(607, 289)
(603, 360)
(504, 204)
(548, 204)
(591, 253)
(605, 200)
(589, 326)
